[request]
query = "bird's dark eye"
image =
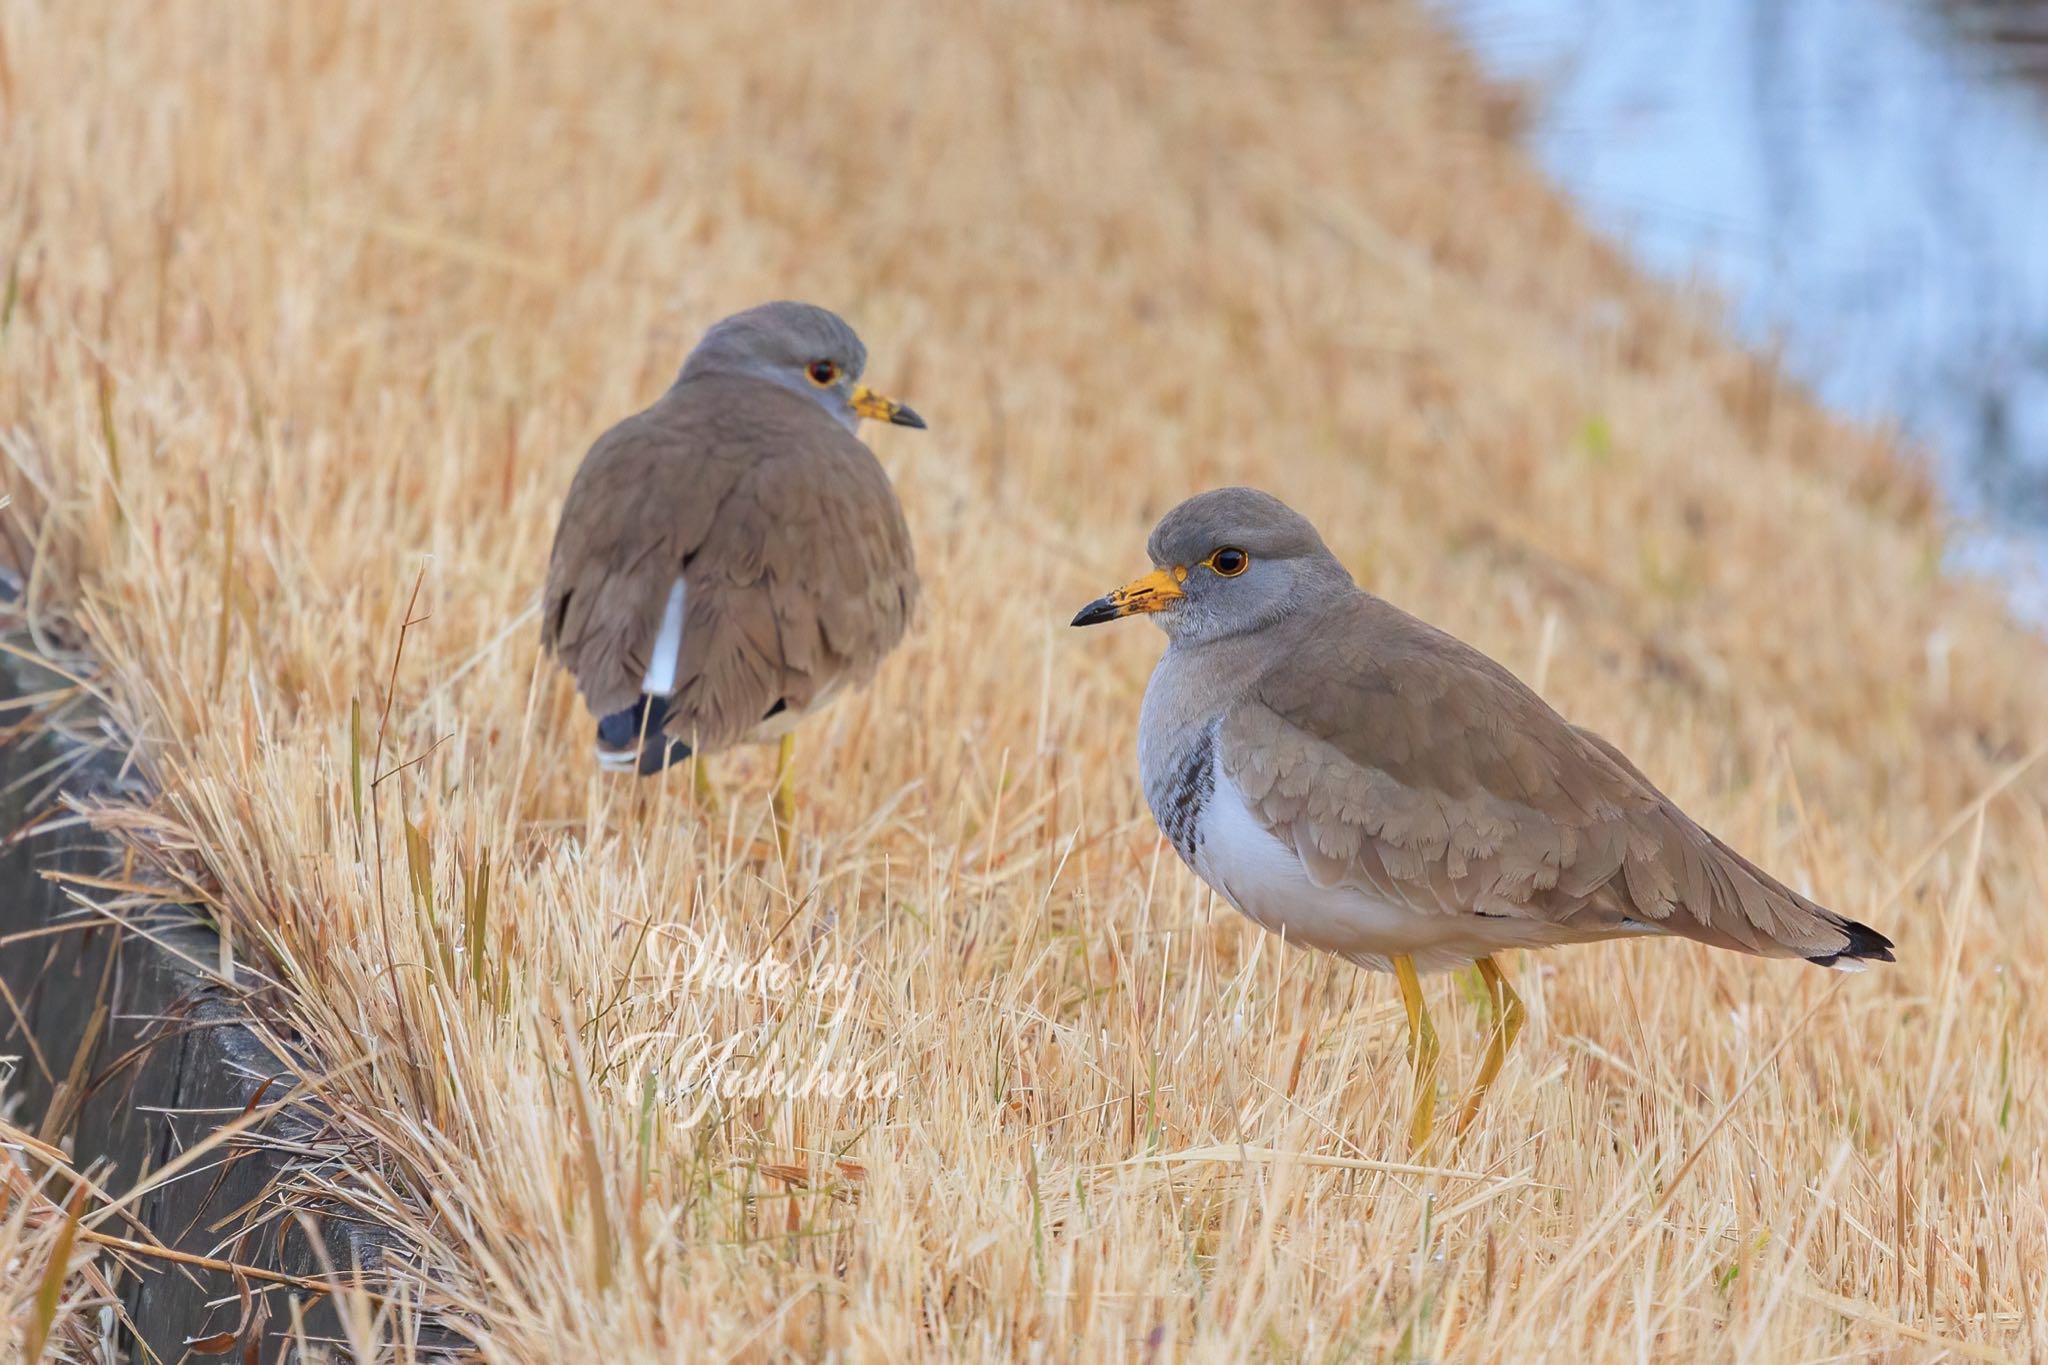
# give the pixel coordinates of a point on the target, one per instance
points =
(1230, 561)
(823, 373)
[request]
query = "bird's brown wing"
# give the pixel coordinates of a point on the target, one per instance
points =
(1394, 758)
(643, 499)
(785, 530)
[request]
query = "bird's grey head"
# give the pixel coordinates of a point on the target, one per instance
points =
(1226, 562)
(800, 347)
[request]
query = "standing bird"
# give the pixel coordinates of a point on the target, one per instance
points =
(732, 558)
(1358, 781)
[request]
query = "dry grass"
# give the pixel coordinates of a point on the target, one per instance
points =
(55, 1296)
(314, 303)
(47, 1299)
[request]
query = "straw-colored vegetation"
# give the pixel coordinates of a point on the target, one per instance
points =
(50, 1283)
(311, 310)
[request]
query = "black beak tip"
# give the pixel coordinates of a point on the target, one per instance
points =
(906, 417)
(1095, 613)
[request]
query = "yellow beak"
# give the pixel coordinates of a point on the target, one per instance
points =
(1156, 591)
(876, 408)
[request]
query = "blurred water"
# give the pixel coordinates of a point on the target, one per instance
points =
(1865, 180)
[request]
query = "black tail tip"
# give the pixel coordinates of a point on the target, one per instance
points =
(1865, 945)
(639, 727)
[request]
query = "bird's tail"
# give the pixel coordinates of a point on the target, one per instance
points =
(1865, 945)
(631, 741)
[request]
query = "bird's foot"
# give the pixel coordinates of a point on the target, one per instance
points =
(1508, 1014)
(1422, 1055)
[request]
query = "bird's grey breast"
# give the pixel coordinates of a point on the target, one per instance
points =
(1177, 757)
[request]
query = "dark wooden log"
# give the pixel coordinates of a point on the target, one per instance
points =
(129, 1050)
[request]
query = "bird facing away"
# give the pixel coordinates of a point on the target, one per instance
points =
(1358, 781)
(734, 557)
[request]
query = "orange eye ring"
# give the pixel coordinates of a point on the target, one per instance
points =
(1228, 562)
(823, 373)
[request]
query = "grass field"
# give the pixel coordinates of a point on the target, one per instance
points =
(310, 312)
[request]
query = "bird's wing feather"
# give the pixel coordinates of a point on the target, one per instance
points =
(1394, 758)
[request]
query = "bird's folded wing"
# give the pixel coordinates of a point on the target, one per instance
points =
(1396, 759)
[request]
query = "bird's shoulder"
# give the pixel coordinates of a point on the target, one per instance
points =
(704, 433)
(1386, 691)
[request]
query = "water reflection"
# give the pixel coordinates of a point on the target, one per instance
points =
(1866, 180)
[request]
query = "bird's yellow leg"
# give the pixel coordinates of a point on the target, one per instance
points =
(1422, 1052)
(1507, 1022)
(785, 795)
(700, 784)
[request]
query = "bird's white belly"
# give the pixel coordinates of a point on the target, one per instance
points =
(1265, 880)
